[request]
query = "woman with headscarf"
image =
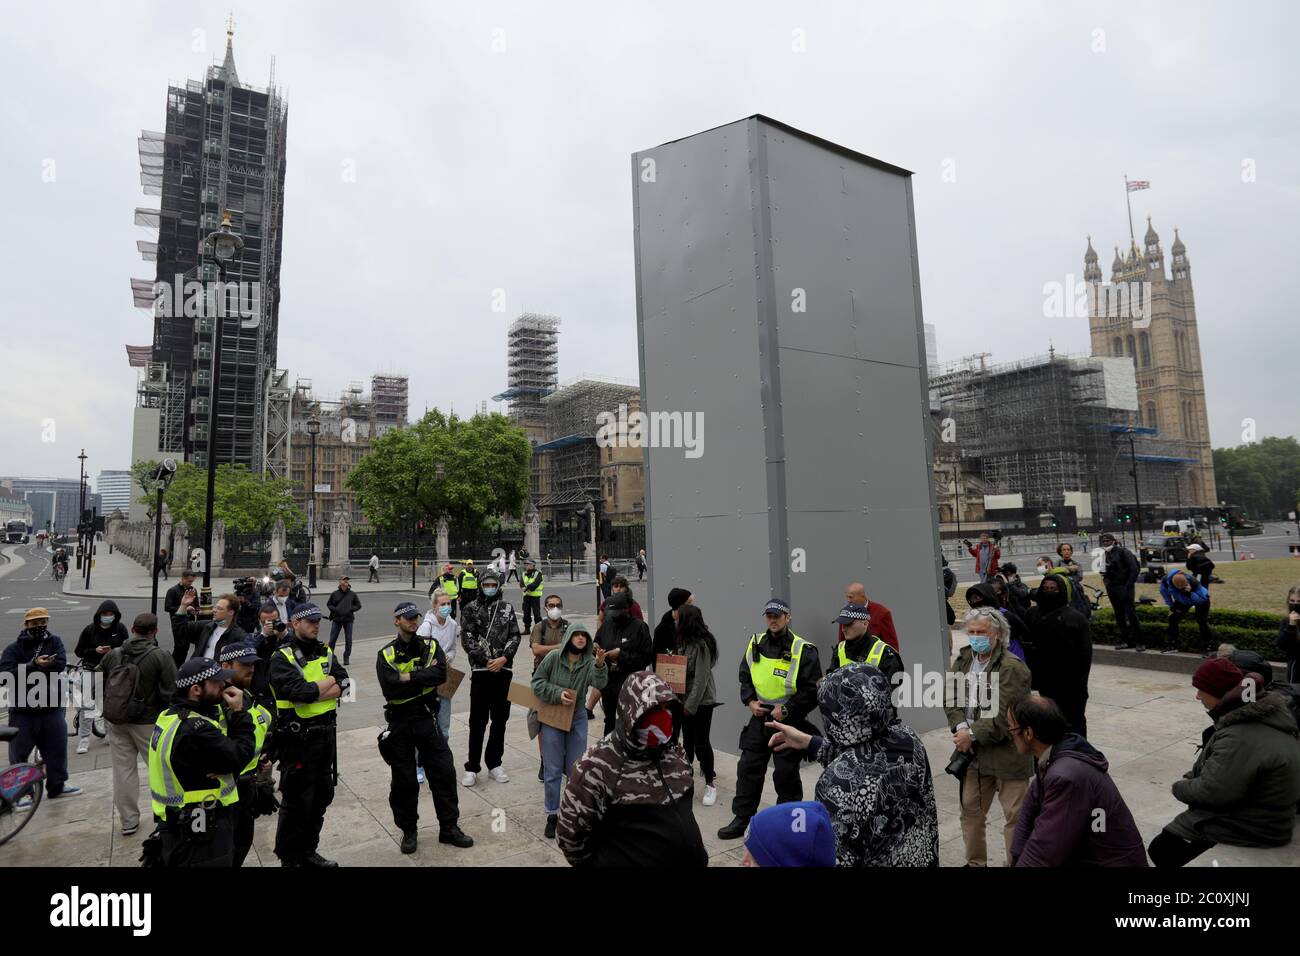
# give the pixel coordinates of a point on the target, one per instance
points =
(877, 783)
(628, 801)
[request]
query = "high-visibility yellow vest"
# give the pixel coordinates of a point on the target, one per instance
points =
(449, 586)
(469, 582)
(873, 656)
(533, 585)
(312, 670)
(389, 654)
(261, 727)
(774, 677)
(165, 789)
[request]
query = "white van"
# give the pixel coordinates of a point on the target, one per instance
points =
(1182, 526)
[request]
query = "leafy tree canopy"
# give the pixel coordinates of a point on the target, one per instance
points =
(243, 500)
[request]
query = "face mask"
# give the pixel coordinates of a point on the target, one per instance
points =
(444, 611)
(553, 613)
(106, 620)
(1110, 547)
(37, 630)
(1043, 569)
(980, 645)
(489, 592)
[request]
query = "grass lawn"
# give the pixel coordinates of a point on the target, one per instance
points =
(1248, 586)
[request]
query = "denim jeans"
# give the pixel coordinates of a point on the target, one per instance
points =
(346, 627)
(444, 716)
(560, 751)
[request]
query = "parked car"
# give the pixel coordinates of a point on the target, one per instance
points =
(1164, 549)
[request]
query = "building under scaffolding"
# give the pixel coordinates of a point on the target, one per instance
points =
(1053, 432)
(575, 460)
(222, 150)
(532, 363)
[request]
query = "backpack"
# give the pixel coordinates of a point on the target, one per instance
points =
(122, 702)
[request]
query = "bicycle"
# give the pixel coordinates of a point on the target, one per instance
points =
(22, 786)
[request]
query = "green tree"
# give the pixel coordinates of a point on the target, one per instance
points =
(243, 500)
(1261, 477)
(485, 465)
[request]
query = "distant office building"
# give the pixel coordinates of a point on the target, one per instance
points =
(114, 490)
(14, 506)
(54, 501)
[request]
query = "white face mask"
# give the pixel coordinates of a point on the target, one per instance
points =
(553, 613)
(1043, 568)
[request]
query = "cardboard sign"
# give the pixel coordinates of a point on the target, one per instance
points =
(559, 716)
(672, 668)
(448, 687)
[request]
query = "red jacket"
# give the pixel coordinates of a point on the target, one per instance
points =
(880, 624)
(993, 565)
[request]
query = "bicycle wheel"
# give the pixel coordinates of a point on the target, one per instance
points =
(99, 727)
(14, 818)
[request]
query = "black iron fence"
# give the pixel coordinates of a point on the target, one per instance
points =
(243, 549)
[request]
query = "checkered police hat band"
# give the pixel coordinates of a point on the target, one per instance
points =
(206, 674)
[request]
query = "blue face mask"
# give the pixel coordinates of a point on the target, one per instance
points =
(106, 619)
(489, 592)
(445, 611)
(980, 645)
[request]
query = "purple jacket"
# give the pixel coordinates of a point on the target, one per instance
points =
(1061, 822)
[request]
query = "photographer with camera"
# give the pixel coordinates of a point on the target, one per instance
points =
(250, 603)
(982, 683)
(267, 636)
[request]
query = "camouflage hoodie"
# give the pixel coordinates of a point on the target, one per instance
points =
(625, 805)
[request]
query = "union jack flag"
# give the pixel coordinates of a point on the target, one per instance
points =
(1136, 184)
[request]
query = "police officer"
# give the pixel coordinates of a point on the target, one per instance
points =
(859, 646)
(532, 585)
(778, 682)
(447, 581)
(254, 783)
(307, 681)
(197, 750)
(467, 585)
(410, 670)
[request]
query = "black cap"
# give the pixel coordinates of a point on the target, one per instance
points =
(199, 669)
(406, 609)
(618, 601)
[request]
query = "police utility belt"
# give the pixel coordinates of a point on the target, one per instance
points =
(302, 729)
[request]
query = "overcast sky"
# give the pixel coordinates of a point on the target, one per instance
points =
(479, 169)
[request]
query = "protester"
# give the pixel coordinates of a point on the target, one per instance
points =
(439, 624)
(1288, 635)
(629, 649)
(986, 595)
(665, 635)
(33, 660)
(133, 700)
(980, 732)
(1183, 593)
(949, 589)
(178, 618)
(490, 636)
(563, 677)
(284, 604)
(881, 622)
(628, 801)
(790, 835)
(308, 681)
(546, 635)
(196, 751)
(342, 606)
(857, 644)
(877, 783)
(986, 556)
(1245, 784)
(620, 584)
(373, 566)
(447, 581)
(101, 635)
(1120, 578)
(210, 638)
(512, 571)
(779, 672)
(1073, 814)
(410, 671)
(1059, 650)
(700, 647)
(1017, 590)
(1078, 597)
(254, 784)
(1199, 564)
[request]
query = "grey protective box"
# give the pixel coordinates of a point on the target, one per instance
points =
(814, 421)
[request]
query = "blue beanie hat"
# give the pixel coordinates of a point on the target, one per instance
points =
(792, 834)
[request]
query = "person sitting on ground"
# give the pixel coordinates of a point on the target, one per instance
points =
(877, 783)
(1245, 784)
(629, 799)
(790, 834)
(1073, 814)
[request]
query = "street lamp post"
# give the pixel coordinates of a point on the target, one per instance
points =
(956, 503)
(223, 245)
(162, 477)
(81, 507)
(1137, 498)
(313, 429)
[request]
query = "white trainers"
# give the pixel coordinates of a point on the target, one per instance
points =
(499, 775)
(710, 795)
(469, 779)
(83, 746)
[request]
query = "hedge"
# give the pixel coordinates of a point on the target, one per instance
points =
(1246, 630)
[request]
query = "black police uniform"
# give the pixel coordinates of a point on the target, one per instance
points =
(412, 729)
(308, 753)
(199, 751)
(246, 810)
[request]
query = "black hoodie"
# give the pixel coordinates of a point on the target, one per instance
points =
(95, 635)
(1019, 630)
(1059, 652)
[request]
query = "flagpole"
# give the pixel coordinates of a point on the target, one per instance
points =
(1128, 201)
